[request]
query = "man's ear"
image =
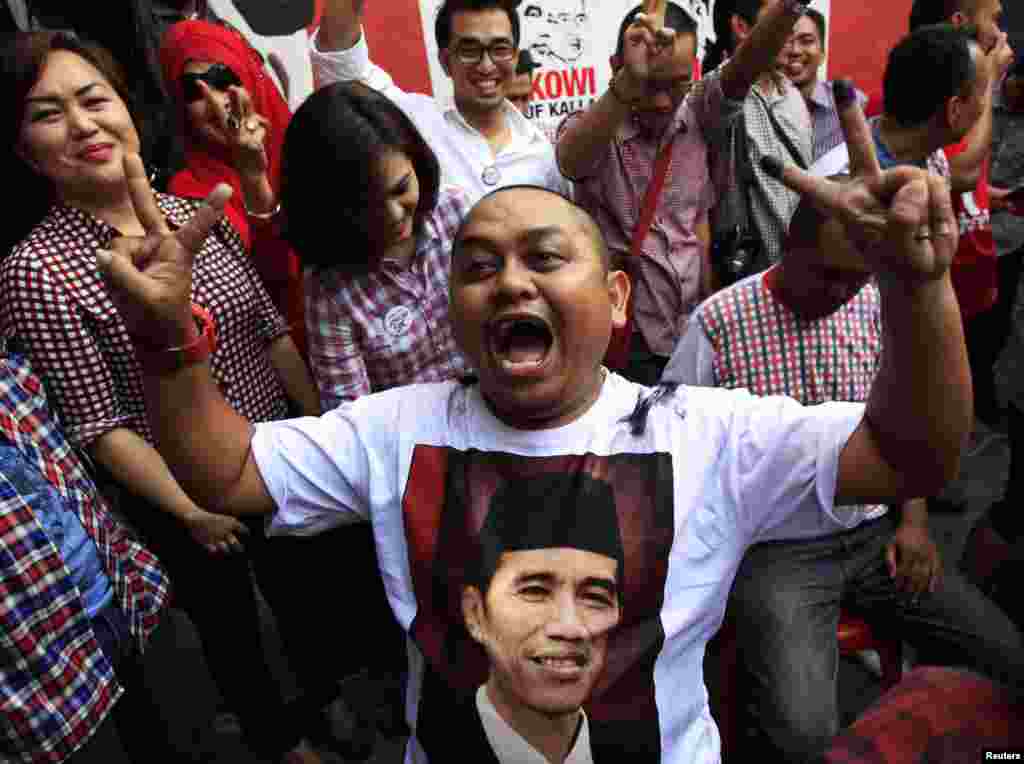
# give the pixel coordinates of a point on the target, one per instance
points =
(619, 290)
(446, 61)
(473, 612)
(615, 62)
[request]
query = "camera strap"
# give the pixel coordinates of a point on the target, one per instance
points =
(618, 348)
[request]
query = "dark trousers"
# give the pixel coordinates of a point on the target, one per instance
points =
(986, 334)
(135, 732)
(327, 594)
(217, 594)
(786, 602)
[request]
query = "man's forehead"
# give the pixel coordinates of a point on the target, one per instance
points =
(565, 563)
(517, 213)
(485, 24)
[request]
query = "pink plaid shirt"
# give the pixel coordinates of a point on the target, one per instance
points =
(389, 327)
(667, 276)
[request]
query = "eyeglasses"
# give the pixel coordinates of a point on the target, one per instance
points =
(470, 53)
(218, 77)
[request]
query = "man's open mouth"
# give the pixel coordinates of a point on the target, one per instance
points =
(520, 343)
(562, 662)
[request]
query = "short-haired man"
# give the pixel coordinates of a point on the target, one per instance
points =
(805, 54)
(612, 150)
(775, 121)
(975, 271)
(541, 601)
(704, 472)
(811, 328)
(482, 142)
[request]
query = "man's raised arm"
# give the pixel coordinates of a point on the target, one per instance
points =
(204, 441)
(340, 24)
(338, 50)
(919, 410)
(647, 45)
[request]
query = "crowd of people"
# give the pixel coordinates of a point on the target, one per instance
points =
(430, 365)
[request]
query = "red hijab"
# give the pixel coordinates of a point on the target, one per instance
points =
(206, 165)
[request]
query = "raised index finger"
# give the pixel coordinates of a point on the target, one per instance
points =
(655, 9)
(141, 194)
(859, 142)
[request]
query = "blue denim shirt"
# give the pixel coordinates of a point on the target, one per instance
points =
(62, 525)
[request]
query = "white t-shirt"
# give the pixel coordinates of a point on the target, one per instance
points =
(713, 470)
(464, 154)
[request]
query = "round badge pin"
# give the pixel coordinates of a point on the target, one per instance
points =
(491, 176)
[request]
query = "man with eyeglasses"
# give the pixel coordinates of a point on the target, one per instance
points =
(482, 142)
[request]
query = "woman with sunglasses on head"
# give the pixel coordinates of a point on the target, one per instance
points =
(234, 120)
(72, 154)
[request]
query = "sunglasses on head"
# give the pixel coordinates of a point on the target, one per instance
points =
(219, 77)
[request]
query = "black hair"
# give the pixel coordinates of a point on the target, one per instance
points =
(675, 18)
(941, 50)
(819, 21)
(22, 58)
(588, 222)
(448, 9)
(930, 12)
(526, 64)
(721, 20)
(341, 132)
(548, 511)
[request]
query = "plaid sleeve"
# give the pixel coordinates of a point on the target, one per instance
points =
(338, 366)
(272, 323)
(66, 350)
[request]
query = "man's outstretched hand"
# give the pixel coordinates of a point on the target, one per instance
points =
(150, 277)
(901, 218)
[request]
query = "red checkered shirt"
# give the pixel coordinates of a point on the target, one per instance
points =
(389, 327)
(57, 307)
(56, 684)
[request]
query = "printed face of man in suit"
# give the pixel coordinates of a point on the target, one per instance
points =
(544, 623)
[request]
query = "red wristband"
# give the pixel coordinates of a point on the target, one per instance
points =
(198, 346)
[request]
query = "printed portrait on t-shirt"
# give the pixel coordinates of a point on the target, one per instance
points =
(530, 576)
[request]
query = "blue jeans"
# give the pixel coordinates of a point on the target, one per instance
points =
(786, 600)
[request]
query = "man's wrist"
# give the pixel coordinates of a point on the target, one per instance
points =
(624, 89)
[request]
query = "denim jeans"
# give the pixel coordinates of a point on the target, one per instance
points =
(786, 601)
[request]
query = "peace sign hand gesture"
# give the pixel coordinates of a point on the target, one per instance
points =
(151, 276)
(647, 44)
(901, 218)
(242, 130)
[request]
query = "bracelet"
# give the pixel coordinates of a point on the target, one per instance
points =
(199, 345)
(264, 215)
(617, 97)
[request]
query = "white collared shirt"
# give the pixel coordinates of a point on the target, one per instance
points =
(511, 748)
(464, 154)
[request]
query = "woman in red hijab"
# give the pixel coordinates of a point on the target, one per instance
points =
(234, 120)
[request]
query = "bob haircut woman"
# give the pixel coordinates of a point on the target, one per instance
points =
(336, 139)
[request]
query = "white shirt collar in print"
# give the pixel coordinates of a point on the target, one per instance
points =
(510, 747)
(524, 132)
